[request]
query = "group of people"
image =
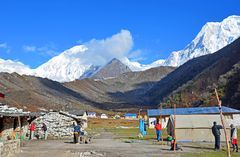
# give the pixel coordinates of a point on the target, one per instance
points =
(158, 127)
(217, 133)
(33, 134)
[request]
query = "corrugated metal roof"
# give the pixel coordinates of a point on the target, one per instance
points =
(189, 111)
(130, 115)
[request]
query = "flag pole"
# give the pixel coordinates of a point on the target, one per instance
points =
(223, 124)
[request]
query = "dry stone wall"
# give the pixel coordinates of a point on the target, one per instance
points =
(58, 126)
(9, 148)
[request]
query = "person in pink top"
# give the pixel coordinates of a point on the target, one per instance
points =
(32, 129)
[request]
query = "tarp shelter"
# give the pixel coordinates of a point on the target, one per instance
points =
(195, 127)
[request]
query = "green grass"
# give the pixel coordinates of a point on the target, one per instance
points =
(132, 133)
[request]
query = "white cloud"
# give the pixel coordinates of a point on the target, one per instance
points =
(29, 48)
(47, 50)
(3, 45)
(99, 52)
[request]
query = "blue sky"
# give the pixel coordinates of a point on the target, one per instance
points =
(34, 31)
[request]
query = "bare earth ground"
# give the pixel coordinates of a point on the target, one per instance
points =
(105, 145)
(109, 141)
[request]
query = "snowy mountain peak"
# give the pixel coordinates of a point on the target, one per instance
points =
(10, 66)
(67, 66)
(212, 37)
(75, 50)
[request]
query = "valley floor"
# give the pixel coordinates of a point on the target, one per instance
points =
(108, 145)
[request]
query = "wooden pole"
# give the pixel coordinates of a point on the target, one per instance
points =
(175, 140)
(223, 124)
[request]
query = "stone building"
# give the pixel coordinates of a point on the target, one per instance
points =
(59, 124)
(13, 127)
(13, 123)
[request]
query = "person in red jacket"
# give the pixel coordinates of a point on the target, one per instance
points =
(158, 128)
(32, 129)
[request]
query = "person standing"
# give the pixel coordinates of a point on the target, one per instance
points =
(158, 128)
(44, 129)
(32, 130)
(216, 132)
(76, 132)
(234, 137)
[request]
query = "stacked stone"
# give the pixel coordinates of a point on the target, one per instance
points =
(9, 148)
(58, 126)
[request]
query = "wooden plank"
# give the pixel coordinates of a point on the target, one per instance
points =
(223, 124)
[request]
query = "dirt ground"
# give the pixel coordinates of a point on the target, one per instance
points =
(103, 146)
(108, 143)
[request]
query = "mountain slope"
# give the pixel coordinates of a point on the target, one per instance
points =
(119, 92)
(114, 68)
(196, 79)
(35, 93)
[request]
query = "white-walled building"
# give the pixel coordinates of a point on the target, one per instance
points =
(231, 115)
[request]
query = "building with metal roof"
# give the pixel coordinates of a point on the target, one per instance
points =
(195, 127)
(231, 115)
(130, 116)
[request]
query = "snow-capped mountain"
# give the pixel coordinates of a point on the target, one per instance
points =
(14, 66)
(85, 60)
(65, 67)
(212, 37)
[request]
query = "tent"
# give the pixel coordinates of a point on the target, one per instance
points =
(195, 127)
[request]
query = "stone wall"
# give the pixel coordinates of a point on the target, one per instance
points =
(8, 128)
(58, 126)
(9, 148)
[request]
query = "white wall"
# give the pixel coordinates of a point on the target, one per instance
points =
(234, 119)
(152, 122)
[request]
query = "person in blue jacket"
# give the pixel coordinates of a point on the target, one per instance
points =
(76, 132)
